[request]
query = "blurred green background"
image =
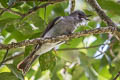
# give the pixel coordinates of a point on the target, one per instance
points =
(69, 62)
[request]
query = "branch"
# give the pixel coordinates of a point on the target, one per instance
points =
(20, 54)
(31, 10)
(11, 11)
(4, 57)
(117, 76)
(53, 0)
(59, 38)
(7, 8)
(103, 16)
(13, 57)
(101, 13)
(28, 13)
(72, 5)
(35, 9)
(45, 0)
(65, 49)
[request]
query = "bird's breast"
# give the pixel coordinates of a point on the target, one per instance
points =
(45, 48)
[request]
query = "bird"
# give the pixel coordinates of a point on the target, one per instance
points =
(62, 25)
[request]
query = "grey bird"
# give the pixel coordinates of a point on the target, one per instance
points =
(62, 25)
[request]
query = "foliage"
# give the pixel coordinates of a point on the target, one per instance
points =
(80, 64)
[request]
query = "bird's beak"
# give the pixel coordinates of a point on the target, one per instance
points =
(87, 17)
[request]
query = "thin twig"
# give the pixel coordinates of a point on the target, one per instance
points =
(7, 8)
(46, 0)
(72, 5)
(20, 54)
(103, 16)
(59, 38)
(13, 57)
(4, 57)
(31, 10)
(35, 9)
(101, 53)
(26, 14)
(53, 0)
(65, 49)
(45, 11)
(117, 76)
(11, 11)
(101, 13)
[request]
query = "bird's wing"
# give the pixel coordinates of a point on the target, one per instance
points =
(51, 24)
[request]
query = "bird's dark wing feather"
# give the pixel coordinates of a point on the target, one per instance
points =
(50, 25)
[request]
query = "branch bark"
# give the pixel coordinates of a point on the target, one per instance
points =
(103, 16)
(6, 8)
(66, 49)
(117, 76)
(4, 57)
(28, 13)
(72, 5)
(11, 11)
(13, 57)
(35, 9)
(45, 0)
(59, 38)
(101, 13)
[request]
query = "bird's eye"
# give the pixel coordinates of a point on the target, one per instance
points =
(79, 14)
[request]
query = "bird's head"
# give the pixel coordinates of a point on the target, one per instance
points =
(80, 15)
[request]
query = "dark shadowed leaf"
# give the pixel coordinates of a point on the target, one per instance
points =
(15, 71)
(47, 61)
(7, 76)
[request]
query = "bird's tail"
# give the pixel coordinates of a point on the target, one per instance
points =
(25, 65)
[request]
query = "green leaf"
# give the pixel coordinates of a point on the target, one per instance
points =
(16, 34)
(106, 73)
(8, 39)
(36, 20)
(7, 76)
(100, 40)
(30, 74)
(28, 49)
(111, 6)
(59, 65)
(92, 24)
(9, 16)
(38, 74)
(86, 65)
(4, 3)
(11, 2)
(25, 28)
(59, 9)
(4, 69)
(18, 74)
(48, 58)
(2, 52)
(74, 43)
